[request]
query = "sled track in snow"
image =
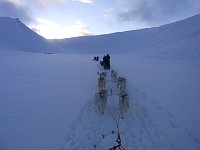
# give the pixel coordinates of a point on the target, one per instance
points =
(144, 127)
(157, 137)
(163, 128)
(112, 86)
(148, 135)
(139, 130)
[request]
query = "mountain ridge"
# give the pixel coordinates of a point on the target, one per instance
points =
(175, 37)
(15, 35)
(180, 39)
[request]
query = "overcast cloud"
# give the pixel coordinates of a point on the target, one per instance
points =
(153, 12)
(48, 2)
(122, 15)
(15, 10)
(85, 1)
(58, 2)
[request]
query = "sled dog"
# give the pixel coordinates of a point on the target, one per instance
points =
(100, 100)
(123, 102)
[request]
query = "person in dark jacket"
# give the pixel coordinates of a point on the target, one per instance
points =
(107, 62)
(108, 57)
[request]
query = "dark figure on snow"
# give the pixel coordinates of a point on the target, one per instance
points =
(96, 58)
(108, 57)
(104, 58)
(103, 62)
(107, 62)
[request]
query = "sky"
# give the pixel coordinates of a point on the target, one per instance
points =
(56, 19)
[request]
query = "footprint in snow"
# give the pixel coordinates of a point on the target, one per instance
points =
(194, 136)
(172, 120)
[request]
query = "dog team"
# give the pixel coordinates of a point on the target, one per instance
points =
(102, 95)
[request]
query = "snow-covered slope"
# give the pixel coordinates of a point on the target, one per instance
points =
(177, 39)
(14, 35)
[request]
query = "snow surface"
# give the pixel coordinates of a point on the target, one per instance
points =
(40, 96)
(47, 103)
(47, 100)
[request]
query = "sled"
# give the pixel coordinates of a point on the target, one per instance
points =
(106, 67)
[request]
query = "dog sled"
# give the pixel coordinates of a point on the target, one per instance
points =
(101, 96)
(106, 62)
(96, 58)
(111, 99)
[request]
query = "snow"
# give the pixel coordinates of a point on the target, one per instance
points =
(164, 103)
(47, 99)
(177, 40)
(36, 94)
(14, 35)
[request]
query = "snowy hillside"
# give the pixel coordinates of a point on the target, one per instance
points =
(177, 39)
(47, 101)
(14, 35)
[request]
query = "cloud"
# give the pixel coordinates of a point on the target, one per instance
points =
(85, 1)
(153, 12)
(48, 2)
(14, 9)
(81, 28)
(15, 1)
(44, 3)
(52, 30)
